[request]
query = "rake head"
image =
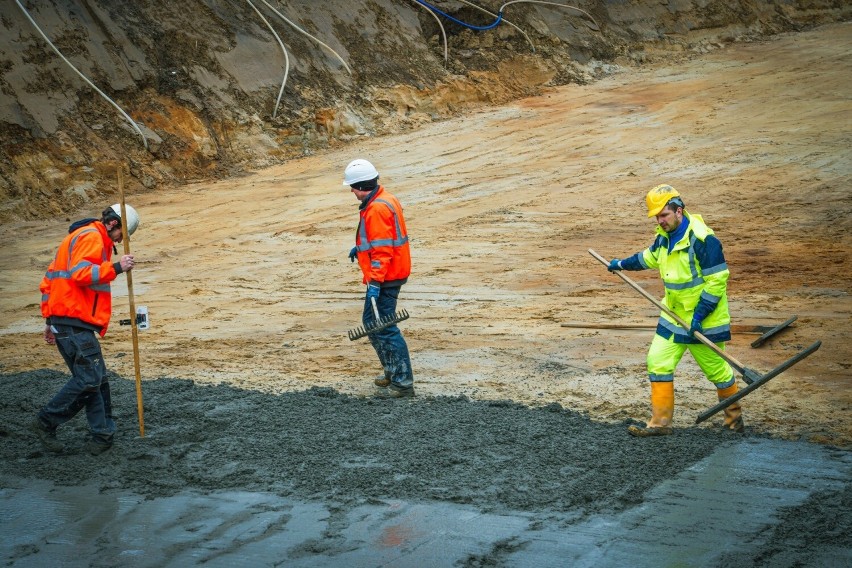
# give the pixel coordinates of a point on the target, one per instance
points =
(750, 376)
(382, 323)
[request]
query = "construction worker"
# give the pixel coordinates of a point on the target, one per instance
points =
(695, 274)
(76, 302)
(382, 250)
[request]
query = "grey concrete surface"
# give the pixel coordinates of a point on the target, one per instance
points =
(321, 479)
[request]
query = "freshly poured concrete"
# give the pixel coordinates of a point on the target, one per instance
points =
(729, 504)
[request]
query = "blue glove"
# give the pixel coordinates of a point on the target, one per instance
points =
(373, 291)
(695, 326)
(704, 308)
(614, 265)
(353, 253)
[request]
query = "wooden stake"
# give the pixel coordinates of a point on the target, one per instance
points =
(126, 239)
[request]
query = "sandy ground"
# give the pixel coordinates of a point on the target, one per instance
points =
(247, 280)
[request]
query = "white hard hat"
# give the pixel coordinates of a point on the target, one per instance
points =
(132, 217)
(359, 170)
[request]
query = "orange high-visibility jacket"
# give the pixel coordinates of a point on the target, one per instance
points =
(382, 241)
(76, 285)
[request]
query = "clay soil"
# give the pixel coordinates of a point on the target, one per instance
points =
(251, 382)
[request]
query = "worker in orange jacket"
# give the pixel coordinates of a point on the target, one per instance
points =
(76, 303)
(382, 250)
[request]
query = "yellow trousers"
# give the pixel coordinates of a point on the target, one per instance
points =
(665, 354)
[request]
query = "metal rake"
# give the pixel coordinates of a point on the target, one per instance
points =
(379, 324)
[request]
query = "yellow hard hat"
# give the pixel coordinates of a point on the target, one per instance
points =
(658, 197)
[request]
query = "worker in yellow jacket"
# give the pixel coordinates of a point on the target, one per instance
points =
(695, 275)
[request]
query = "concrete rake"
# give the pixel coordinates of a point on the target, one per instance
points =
(378, 323)
(751, 377)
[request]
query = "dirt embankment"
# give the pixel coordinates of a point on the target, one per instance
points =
(201, 78)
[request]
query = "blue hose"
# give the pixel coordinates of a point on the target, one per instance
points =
(470, 26)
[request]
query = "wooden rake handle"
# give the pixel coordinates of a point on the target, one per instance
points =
(375, 310)
(699, 336)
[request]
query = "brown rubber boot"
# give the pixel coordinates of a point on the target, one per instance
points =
(733, 412)
(662, 410)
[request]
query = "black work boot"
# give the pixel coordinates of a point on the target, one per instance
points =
(398, 392)
(383, 380)
(47, 436)
(97, 447)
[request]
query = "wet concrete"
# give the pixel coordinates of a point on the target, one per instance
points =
(228, 477)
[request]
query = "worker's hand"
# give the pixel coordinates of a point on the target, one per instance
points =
(614, 265)
(695, 326)
(49, 338)
(127, 263)
(353, 253)
(703, 309)
(373, 291)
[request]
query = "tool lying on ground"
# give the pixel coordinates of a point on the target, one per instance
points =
(765, 331)
(751, 377)
(742, 328)
(770, 332)
(378, 324)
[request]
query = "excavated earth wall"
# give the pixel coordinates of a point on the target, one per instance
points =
(201, 78)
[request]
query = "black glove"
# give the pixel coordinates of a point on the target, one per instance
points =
(353, 253)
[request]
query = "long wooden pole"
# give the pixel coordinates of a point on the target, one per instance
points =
(735, 328)
(126, 239)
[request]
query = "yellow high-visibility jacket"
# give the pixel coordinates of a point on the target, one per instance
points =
(695, 276)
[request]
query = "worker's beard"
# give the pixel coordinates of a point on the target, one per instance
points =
(672, 226)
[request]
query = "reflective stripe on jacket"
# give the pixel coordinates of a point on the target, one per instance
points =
(382, 240)
(695, 269)
(76, 285)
